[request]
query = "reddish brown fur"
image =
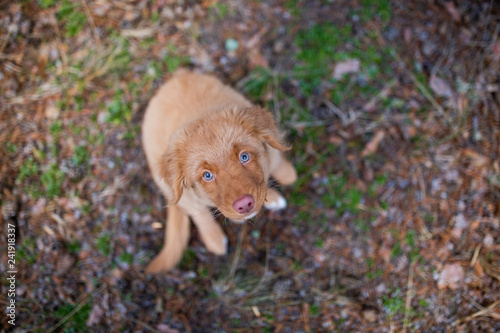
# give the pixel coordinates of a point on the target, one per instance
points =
(196, 124)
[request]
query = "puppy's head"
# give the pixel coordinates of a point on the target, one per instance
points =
(223, 158)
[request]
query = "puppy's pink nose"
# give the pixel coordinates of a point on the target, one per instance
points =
(244, 204)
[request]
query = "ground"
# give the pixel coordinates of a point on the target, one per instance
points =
(392, 108)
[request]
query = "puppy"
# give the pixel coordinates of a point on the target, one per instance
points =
(208, 146)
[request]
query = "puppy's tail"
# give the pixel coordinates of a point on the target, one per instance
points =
(176, 240)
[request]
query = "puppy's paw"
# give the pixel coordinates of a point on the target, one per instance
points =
(274, 200)
(216, 244)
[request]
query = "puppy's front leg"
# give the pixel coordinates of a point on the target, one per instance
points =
(176, 240)
(210, 231)
(274, 200)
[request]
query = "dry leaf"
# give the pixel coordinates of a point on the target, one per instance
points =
(166, 329)
(496, 49)
(346, 67)
(478, 160)
(372, 146)
(370, 315)
(460, 225)
(95, 315)
(452, 9)
(51, 112)
(440, 87)
(256, 59)
(450, 276)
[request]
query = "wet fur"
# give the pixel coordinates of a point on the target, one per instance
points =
(193, 124)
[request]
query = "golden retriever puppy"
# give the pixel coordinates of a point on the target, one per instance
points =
(207, 146)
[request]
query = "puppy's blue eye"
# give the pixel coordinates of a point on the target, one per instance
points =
(208, 176)
(244, 157)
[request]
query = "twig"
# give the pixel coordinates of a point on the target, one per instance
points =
(345, 119)
(382, 93)
(302, 124)
(487, 312)
(144, 325)
(307, 326)
(476, 254)
(409, 295)
(276, 100)
(91, 20)
(75, 310)
(186, 323)
(61, 225)
(237, 253)
(427, 94)
(5, 41)
(62, 52)
(140, 33)
(266, 269)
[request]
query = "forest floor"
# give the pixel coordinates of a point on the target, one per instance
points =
(393, 110)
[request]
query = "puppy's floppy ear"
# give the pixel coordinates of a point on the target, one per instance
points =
(172, 172)
(263, 123)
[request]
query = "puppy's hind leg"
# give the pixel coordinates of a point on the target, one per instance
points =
(211, 232)
(176, 240)
(285, 172)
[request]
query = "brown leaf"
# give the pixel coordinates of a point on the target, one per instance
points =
(452, 9)
(64, 264)
(450, 276)
(95, 315)
(372, 146)
(478, 160)
(370, 315)
(166, 329)
(256, 59)
(440, 87)
(496, 49)
(460, 225)
(52, 111)
(346, 67)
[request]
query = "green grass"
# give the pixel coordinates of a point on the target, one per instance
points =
(423, 303)
(294, 7)
(25, 251)
(173, 61)
(104, 244)
(376, 9)
(411, 241)
(342, 197)
(373, 272)
(11, 148)
(126, 257)
(44, 4)
(219, 9)
(394, 304)
(188, 258)
(78, 321)
(74, 246)
(323, 45)
(56, 129)
(72, 16)
(52, 180)
(203, 272)
(27, 169)
(119, 110)
(317, 48)
(314, 310)
(81, 155)
(257, 83)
